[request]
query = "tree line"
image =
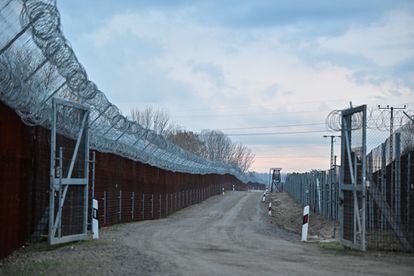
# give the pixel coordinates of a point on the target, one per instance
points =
(209, 144)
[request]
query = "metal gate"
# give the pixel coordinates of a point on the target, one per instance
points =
(353, 177)
(69, 172)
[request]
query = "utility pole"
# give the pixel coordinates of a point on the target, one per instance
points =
(331, 165)
(332, 169)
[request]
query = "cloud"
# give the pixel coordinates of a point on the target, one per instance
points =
(213, 71)
(221, 64)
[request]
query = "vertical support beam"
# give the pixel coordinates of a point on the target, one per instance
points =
(371, 201)
(120, 206)
(364, 176)
(60, 188)
(408, 189)
(159, 200)
(93, 174)
(344, 143)
(52, 172)
(383, 180)
(397, 183)
(104, 209)
(152, 206)
(132, 206)
(86, 171)
(143, 207)
(166, 204)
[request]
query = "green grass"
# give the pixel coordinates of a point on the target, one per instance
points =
(333, 245)
(337, 248)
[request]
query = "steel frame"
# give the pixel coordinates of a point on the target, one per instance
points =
(355, 187)
(60, 185)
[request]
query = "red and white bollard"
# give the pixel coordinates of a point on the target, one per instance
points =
(95, 222)
(270, 209)
(305, 223)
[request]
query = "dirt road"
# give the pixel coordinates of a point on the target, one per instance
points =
(225, 235)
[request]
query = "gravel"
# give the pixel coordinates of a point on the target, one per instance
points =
(224, 235)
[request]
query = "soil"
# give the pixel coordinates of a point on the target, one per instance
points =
(288, 214)
(224, 235)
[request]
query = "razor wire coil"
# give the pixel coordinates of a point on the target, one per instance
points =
(38, 35)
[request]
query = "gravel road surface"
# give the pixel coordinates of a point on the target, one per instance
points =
(224, 235)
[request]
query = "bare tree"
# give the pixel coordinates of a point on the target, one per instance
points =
(188, 140)
(244, 157)
(150, 118)
(210, 144)
(220, 147)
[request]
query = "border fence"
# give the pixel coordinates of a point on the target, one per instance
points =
(50, 113)
(318, 189)
(126, 190)
(375, 212)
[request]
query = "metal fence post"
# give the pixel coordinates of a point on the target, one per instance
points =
(397, 192)
(132, 205)
(159, 197)
(152, 206)
(104, 208)
(166, 204)
(120, 205)
(408, 188)
(383, 181)
(143, 207)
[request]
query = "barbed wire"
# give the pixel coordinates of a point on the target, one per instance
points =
(376, 119)
(34, 31)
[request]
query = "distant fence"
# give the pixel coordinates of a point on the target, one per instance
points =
(389, 209)
(127, 190)
(318, 189)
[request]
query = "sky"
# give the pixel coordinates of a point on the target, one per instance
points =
(267, 73)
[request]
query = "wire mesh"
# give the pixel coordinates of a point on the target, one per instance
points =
(38, 63)
(389, 168)
(390, 222)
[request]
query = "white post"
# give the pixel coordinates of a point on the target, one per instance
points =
(222, 190)
(233, 187)
(95, 222)
(270, 208)
(305, 223)
(264, 197)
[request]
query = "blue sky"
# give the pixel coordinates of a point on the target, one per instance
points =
(249, 66)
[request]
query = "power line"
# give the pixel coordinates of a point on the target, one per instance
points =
(372, 120)
(275, 133)
(259, 127)
(289, 157)
(259, 113)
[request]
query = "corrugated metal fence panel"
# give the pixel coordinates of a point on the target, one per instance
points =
(24, 185)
